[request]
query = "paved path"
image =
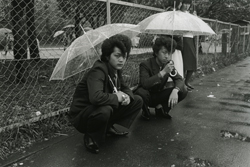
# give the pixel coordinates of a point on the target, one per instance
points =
(209, 128)
(55, 53)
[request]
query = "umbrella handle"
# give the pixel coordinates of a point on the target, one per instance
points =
(174, 72)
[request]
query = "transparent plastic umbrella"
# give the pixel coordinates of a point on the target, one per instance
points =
(83, 51)
(175, 23)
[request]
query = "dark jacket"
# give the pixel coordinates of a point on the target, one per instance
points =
(150, 80)
(96, 89)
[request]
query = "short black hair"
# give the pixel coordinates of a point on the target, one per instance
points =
(120, 41)
(167, 42)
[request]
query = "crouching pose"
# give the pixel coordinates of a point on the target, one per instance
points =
(153, 86)
(102, 99)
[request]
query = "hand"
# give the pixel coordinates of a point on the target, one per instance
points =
(173, 98)
(120, 95)
(126, 99)
(168, 68)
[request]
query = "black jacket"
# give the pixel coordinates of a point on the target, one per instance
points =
(96, 89)
(150, 80)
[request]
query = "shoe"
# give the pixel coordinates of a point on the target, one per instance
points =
(189, 89)
(90, 144)
(161, 113)
(113, 131)
(145, 113)
(189, 86)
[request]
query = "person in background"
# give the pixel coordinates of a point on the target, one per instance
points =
(188, 51)
(153, 76)
(102, 99)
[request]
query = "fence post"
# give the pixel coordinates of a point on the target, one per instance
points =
(248, 31)
(224, 43)
(238, 40)
(244, 42)
(215, 41)
(229, 39)
(197, 50)
(108, 12)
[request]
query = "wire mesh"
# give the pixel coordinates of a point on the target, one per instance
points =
(40, 31)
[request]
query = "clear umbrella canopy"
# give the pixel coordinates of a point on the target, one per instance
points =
(83, 51)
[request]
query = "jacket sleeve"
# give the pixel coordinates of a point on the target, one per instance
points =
(126, 89)
(147, 81)
(96, 86)
(178, 82)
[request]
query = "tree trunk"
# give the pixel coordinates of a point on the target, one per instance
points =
(31, 30)
(20, 48)
(78, 19)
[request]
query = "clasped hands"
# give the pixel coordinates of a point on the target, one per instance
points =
(123, 98)
(169, 67)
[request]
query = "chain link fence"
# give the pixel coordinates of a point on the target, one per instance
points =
(35, 33)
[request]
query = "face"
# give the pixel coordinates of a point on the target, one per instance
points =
(163, 55)
(117, 59)
(185, 6)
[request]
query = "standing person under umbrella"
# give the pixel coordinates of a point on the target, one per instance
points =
(102, 99)
(188, 51)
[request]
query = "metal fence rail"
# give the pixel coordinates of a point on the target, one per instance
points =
(30, 51)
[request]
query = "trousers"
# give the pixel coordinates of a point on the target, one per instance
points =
(96, 120)
(152, 99)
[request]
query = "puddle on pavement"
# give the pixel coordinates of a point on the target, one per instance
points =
(197, 162)
(234, 135)
(234, 104)
(243, 97)
(242, 65)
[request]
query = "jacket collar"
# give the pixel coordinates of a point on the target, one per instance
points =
(155, 66)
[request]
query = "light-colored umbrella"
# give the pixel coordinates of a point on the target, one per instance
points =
(5, 30)
(175, 23)
(87, 29)
(60, 32)
(69, 26)
(83, 52)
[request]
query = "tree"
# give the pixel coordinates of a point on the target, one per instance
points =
(31, 30)
(18, 30)
(87, 10)
(224, 10)
(19, 43)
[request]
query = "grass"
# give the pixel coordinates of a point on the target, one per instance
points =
(20, 102)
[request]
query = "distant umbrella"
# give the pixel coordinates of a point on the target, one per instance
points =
(58, 33)
(5, 30)
(69, 26)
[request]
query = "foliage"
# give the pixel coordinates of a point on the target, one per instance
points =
(223, 10)
(47, 25)
(16, 140)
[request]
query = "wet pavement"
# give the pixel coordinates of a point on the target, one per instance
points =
(209, 128)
